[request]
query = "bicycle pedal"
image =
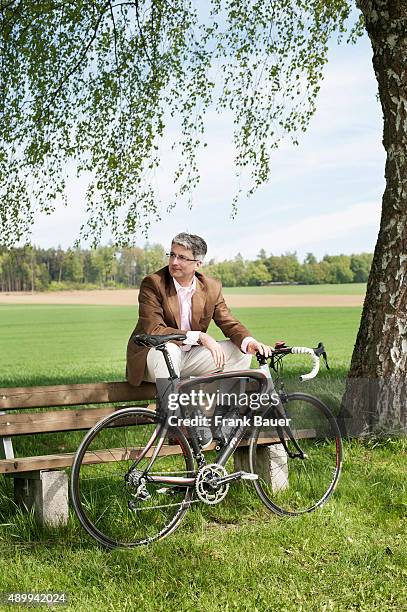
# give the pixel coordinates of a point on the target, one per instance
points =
(249, 476)
(236, 476)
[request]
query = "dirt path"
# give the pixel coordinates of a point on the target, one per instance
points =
(128, 297)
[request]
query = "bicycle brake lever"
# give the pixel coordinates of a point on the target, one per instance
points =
(320, 351)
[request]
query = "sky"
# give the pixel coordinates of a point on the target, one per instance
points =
(324, 196)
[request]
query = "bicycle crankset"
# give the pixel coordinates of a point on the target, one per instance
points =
(207, 486)
(212, 482)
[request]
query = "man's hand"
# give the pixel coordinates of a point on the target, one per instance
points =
(216, 350)
(257, 347)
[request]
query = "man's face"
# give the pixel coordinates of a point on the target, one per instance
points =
(180, 268)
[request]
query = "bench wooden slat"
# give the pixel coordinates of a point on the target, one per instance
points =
(71, 395)
(49, 462)
(53, 421)
(63, 460)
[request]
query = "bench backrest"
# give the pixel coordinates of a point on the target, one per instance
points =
(48, 420)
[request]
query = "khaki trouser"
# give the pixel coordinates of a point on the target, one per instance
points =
(196, 362)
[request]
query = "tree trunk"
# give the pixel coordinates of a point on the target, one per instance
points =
(376, 386)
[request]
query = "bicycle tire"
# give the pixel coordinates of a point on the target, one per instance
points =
(101, 496)
(294, 486)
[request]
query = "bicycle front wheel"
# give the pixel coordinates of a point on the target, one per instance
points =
(291, 485)
(114, 510)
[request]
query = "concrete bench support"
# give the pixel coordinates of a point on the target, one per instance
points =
(47, 492)
(271, 464)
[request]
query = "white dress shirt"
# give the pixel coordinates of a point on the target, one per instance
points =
(185, 308)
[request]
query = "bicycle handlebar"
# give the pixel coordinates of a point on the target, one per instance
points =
(303, 350)
(314, 353)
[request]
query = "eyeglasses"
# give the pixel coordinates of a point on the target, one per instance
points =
(181, 258)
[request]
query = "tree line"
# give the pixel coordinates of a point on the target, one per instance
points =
(37, 269)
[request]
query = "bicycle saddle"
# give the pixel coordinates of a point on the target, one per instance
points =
(156, 340)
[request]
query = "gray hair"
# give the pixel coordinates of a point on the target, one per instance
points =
(197, 244)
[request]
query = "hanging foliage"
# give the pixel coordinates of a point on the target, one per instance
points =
(97, 86)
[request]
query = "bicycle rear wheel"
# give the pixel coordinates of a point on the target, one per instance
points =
(108, 506)
(295, 485)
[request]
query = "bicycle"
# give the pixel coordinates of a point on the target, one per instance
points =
(136, 473)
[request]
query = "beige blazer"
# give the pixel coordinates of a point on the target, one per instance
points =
(159, 314)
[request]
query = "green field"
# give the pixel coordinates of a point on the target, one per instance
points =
(46, 344)
(350, 555)
(343, 289)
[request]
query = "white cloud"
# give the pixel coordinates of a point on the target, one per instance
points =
(312, 233)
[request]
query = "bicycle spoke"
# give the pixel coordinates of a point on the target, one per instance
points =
(302, 484)
(126, 512)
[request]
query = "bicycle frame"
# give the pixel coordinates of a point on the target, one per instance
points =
(165, 449)
(234, 439)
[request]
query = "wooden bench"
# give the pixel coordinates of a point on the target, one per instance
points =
(40, 480)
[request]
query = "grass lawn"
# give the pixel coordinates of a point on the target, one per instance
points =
(45, 344)
(350, 555)
(340, 289)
